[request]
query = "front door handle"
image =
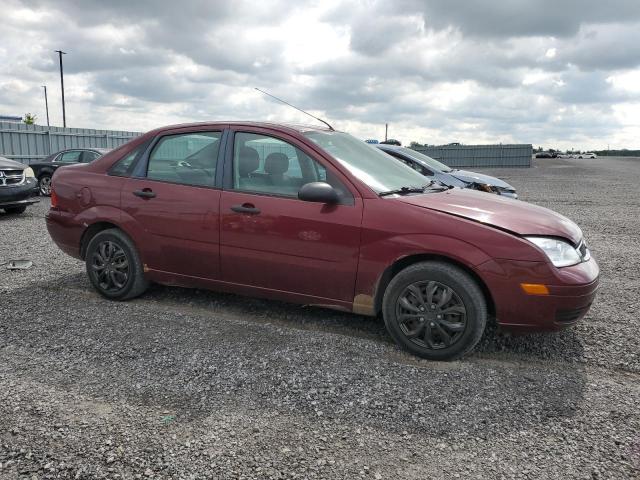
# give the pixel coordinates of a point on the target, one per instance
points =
(246, 208)
(144, 193)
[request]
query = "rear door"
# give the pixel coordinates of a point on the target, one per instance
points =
(173, 195)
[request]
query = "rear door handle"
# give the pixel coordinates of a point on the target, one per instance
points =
(245, 208)
(145, 193)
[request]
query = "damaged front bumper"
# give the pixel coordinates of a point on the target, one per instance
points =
(20, 194)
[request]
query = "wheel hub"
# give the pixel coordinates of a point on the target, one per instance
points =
(431, 314)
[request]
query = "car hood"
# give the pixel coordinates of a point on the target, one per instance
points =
(474, 177)
(6, 163)
(515, 216)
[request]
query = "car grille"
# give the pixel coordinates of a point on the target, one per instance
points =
(10, 177)
(570, 316)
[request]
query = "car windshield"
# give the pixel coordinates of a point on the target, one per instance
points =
(370, 165)
(430, 162)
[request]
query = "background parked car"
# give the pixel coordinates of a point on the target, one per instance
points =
(44, 169)
(18, 186)
(436, 170)
(587, 155)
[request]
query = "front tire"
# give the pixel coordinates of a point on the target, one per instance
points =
(16, 210)
(44, 185)
(435, 310)
(114, 266)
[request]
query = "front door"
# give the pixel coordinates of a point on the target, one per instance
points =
(176, 202)
(272, 240)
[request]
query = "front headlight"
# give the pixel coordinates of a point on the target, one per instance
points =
(28, 173)
(561, 253)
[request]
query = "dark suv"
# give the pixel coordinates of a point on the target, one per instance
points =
(18, 186)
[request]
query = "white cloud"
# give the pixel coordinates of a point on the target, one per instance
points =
(563, 75)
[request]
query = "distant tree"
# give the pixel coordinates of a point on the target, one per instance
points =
(416, 145)
(29, 119)
(392, 141)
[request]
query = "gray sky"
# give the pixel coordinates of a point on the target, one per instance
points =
(560, 73)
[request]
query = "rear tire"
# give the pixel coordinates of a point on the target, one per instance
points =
(44, 185)
(114, 266)
(16, 210)
(435, 310)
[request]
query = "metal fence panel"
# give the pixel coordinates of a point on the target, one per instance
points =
(30, 143)
(517, 155)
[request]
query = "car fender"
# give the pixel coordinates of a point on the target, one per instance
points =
(100, 214)
(378, 258)
(41, 170)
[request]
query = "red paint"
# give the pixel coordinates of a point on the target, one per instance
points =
(322, 254)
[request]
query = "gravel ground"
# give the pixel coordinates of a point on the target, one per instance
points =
(194, 384)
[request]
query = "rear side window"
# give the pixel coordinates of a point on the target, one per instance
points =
(70, 157)
(88, 157)
(188, 158)
(123, 166)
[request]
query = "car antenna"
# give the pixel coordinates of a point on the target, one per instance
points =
(293, 106)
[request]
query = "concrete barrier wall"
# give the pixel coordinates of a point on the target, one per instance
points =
(480, 155)
(30, 143)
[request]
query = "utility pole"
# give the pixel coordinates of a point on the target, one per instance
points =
(386, 130)
(46, 103)
(64, 116)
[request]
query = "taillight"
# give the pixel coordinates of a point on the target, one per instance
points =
(54, 198)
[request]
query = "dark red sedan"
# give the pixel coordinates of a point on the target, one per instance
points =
(318, 217)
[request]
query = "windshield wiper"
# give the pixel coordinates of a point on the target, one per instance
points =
(436, 185)
(403, 191)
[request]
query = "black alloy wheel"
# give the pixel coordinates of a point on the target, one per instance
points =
(110, 267)
(431, 314)
(44, 184)
(114, 265)
(435, 310)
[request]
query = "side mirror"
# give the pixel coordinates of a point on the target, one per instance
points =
(318, 192)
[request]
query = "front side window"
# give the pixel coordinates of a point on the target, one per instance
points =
(265, 164)
(188, 158)
(70, 157)
(365, 162)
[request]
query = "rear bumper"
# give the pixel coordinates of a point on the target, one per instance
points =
(18, 195)
(572, 291)
(65, 232)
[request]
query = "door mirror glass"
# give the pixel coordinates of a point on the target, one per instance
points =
(318, 192)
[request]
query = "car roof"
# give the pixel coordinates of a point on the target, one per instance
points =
(300, 128)
(84, 149)
(383, 146)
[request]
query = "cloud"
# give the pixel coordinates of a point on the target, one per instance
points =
(551, 73)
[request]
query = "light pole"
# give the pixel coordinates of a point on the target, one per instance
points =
(64, 116)
(46, 103)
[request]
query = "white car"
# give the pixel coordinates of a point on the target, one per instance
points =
(586, 155)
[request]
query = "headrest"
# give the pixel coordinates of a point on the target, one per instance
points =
(248, 161)
(276, 163)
